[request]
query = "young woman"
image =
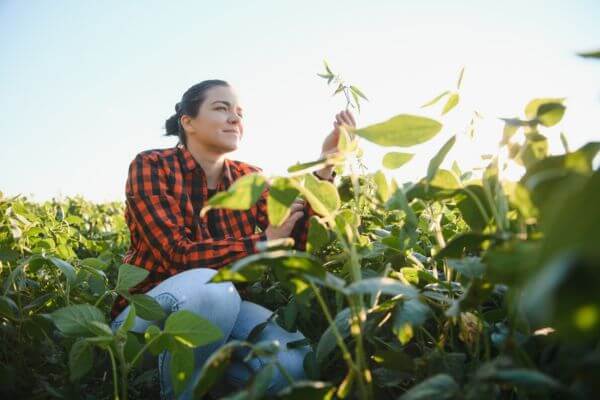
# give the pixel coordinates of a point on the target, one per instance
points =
(165, 192)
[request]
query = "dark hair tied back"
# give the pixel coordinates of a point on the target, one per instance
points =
(190, 104)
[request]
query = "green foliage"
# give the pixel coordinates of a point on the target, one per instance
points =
(462, 285)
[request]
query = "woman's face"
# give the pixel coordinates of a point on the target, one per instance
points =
(218, 126)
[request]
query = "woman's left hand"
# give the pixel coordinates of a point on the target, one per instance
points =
(330, 143)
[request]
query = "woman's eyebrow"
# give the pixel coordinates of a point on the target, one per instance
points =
(225, 102)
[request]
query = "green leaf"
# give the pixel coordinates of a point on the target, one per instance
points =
(66, 268)
(451, 103)
(322, 195)
(358, 92)
(399, 201)
(387, 286)
(158, 341)
(182, 367)
(214, 368)
(128, 323)
(436, 99)
(95, 263)
(308, 166)
(81, 358)
(465, 242)
(147, 307)
(437, 160)
(281, 196)
(590, 54)
(445, 179)
(550, 114)
(302, 390)
(471, 267)
(244, 193)
(408, 314)
(381, 186)
(532, 108)
(318, 235)
(190, 329)
(402, 130)
(327, 343)
(437, 387)
(8, 308)
(394, 360)
(129, 276)
(394, 159)
(73, 320)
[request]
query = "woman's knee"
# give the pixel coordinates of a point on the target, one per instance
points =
(219, 303)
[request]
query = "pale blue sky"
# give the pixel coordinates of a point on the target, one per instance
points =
(85, 85)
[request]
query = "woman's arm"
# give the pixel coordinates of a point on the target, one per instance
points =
(159, 222)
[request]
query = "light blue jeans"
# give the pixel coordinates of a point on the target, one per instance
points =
(221, 304)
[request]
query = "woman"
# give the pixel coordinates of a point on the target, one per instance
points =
(165, 192)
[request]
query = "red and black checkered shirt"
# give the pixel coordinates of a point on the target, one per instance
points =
(165, 191)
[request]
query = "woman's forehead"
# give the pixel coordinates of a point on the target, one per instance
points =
(223, 95)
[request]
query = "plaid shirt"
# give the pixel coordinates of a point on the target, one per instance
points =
(165, 192)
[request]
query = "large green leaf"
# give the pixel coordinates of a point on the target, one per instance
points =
(191, 329)
(81, 358)
(281, 196)
(322, 195)
(402, 130)
(73, 320)
(240, 196)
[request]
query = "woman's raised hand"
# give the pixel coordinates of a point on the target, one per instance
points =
(330, 143)
(284, 230)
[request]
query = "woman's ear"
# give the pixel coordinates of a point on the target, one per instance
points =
(185, 121)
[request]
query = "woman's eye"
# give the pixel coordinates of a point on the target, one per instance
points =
(225, 108)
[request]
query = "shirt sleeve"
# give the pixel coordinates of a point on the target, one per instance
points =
(300, 231)
(159, 223)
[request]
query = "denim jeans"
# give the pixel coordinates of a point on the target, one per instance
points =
(221, 304)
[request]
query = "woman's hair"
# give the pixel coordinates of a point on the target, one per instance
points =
(190, 104)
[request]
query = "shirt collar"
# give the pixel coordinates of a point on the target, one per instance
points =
(189, 164)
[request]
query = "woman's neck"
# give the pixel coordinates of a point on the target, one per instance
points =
(211, 163)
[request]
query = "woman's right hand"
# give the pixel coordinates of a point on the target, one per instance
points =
(285, 229)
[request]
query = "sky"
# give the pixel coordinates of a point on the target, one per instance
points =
(86, 85)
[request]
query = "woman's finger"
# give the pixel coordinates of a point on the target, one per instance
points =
(351, 120)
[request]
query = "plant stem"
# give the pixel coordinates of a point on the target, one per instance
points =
(114, 373)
